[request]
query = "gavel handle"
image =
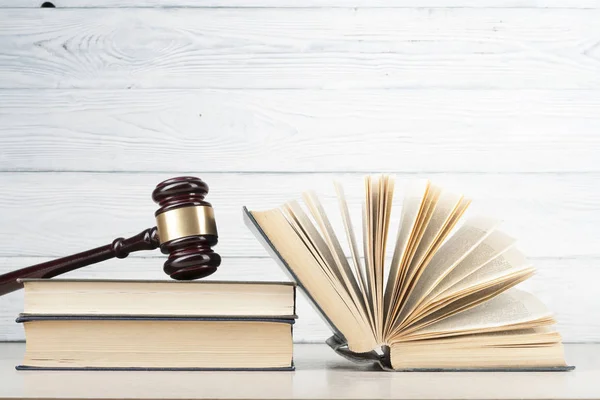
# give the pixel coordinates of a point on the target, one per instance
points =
(119, 248)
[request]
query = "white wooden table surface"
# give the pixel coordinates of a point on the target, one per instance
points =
(320, 374)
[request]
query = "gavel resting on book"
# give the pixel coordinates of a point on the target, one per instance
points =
(185, 230)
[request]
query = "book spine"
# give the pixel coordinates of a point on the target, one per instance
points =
(340, 346)
(292, 333)
(295, 299)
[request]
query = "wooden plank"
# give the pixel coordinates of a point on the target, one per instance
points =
(299, 48)
(53, 214)
(300, 130)
(564, 285)
(304, 3)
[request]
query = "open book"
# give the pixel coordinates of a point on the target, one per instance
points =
(443, 300)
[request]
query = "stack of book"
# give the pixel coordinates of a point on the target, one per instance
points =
(165, 325)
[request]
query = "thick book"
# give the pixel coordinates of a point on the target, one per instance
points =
(145, 325)
(444, 299)
(157, 343)
(159, 298)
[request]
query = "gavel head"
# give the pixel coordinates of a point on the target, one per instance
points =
(186, 228)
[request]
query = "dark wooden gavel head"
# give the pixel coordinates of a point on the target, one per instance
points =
(186, 228)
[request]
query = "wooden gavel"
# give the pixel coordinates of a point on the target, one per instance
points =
(185, 230)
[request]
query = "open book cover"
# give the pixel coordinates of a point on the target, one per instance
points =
(442, 299)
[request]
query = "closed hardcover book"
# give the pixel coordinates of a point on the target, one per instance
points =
(78, 325)
(159, 297)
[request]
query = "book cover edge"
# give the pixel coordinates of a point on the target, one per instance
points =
(46, 317)
(34, 368)
(172, 282)
(292, 366)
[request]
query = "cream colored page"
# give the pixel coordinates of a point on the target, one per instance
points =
(385, 195)
(415, 195)
(313, 239)
(377, 244)
(328, 274)
(451, 305)
(427, 209)
(305, 230)
(456, 248)
(516, 337)
(446, 205)
(459, 296)
(509, 263)
(312, 277)
(402, 282)
(379, 225)
(448, 227)
(389, 202)
(493, 246)
(371, 204)
(351, 237)
(358, 267)
(368, 241)
(511, 307)
(300, 222)
(318, 212)
(365, 235)
(341, 263)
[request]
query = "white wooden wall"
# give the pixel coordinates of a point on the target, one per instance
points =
(102, 99)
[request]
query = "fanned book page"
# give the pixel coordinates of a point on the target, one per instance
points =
(439, 295)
